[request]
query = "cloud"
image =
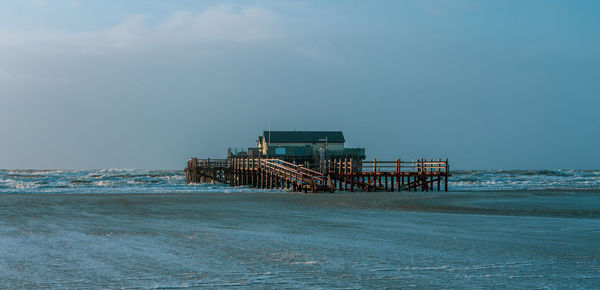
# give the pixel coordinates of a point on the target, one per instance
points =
(37, 56)
(57, 57)
(219, 24)
(223, 23)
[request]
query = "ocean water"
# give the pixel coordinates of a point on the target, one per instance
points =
(147, 229)
(173, 181)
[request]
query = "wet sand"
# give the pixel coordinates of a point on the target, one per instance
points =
(469, 239)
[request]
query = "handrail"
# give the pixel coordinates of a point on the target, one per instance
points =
(295, 166)
(298, 173)
(421, 165)
(334, 165)
(293, 170)
(208, 162)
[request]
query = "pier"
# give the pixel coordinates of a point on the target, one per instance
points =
(316, 161)
(336, 174)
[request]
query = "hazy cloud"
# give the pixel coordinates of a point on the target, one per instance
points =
(207, 32)
(217, 24)
(36, 56)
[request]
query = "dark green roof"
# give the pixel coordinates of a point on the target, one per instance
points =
(303, 136)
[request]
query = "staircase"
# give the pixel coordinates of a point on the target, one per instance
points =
(298, 177)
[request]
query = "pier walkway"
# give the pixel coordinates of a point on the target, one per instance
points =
(334, 174)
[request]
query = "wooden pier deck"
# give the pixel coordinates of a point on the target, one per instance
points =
(334, 174)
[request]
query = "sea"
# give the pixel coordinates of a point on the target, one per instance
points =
(130, 228)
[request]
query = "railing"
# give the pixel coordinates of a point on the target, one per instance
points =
(344, 166)
(299, 170)
(245, 163)
(208, 162)
(290, 171)
(339, 166)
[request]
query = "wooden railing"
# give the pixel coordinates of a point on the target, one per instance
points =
(299, 171)
(246, 163)
(217, 163)
(300, 177)
(345, 166)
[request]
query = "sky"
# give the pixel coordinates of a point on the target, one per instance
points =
(148, 84)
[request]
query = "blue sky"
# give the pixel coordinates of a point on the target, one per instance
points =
(147, 84)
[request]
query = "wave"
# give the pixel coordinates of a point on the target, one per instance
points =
(173, 181)
(481, 180)
(103, 181)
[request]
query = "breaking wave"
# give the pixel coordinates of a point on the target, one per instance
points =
(173, 181)
(103, 181)
(485, 180)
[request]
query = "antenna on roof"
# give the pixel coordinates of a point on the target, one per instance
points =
(269, 133)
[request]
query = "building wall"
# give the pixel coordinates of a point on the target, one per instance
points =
(316, 146)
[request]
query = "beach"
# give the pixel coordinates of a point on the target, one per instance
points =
(299, 144)
(523, 239)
